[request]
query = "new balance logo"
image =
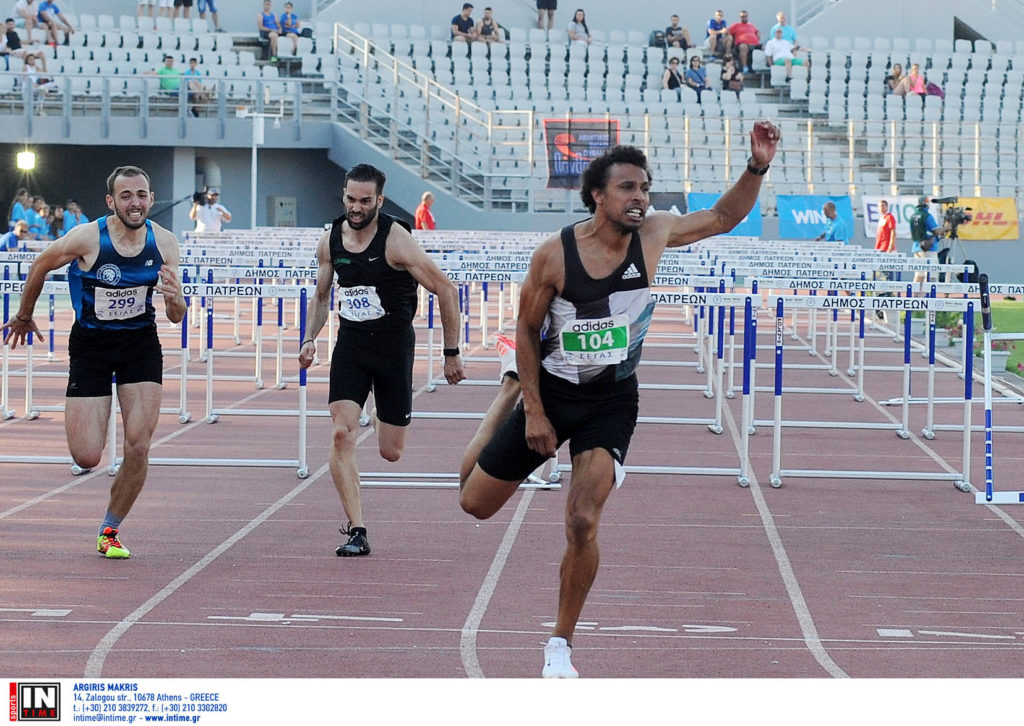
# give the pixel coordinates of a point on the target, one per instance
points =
(631, 272)
(149, 263)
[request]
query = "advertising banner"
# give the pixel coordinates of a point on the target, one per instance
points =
(992, 219)
(800, 215)
(749, 227)
(572, 144)
(902, 207)
(674, 202)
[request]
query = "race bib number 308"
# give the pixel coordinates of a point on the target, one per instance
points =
(359, 303)
(600, 341)
(120, 303)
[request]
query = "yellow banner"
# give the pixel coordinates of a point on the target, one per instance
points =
(992, 219)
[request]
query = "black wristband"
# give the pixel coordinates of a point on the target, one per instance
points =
(450, 352)
(309, 340)
(754, 170)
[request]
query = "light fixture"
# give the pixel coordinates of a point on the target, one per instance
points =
(26, 160)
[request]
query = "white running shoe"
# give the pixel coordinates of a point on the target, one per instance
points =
(507, 354)
(557, 659)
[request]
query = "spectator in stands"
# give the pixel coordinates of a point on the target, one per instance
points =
(672, 79)
(745, 39)
(31, 75)
(198, 93)
(27, 11)
(209, 215)
(696, 77)
(488, 29)
(55, 222)
(22, 201)
(676, 36)
(546, 7)
(73, 215)
(10, 44)
(170, 77)
(894, 79)
(15, 239)
(780, 52)
(835, 227)
(732, 78)
(290, 26)
(788, 31)
(578, 29)
(202, 6)
(463, 27)
(269, 29)
(718, 40)
(34, 215)
(424, 218)
(182, 8)
(913, 82)
(52, 19)
(141, 12)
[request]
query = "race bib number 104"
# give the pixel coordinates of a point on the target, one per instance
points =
(598, 341)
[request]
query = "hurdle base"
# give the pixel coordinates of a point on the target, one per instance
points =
(999, 498)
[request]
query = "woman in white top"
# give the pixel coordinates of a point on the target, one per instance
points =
(578, 27)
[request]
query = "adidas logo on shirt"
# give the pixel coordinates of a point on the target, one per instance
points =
(631, 272)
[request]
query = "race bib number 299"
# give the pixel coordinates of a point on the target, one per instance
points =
(598, 341)
(120, 303)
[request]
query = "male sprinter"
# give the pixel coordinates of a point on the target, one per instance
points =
(115, 263)
(378, 265)
(585, 307)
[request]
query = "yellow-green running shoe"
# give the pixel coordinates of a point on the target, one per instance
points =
(108, 545)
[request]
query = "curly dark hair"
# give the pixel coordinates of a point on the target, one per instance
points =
(595, 176)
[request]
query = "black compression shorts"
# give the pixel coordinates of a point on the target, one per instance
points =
(598, 417)
(98, 356)
(381, 360)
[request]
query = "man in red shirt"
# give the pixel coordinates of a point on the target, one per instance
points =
(885, 240)
(745, 38)
(423, 218)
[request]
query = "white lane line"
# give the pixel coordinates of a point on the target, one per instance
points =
(796, 597)
(467, 644)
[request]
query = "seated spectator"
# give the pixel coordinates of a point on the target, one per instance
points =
(290, 26)
(779, 52)
(894, 79)
(73, 215)
(732, 78)
(52, 19)
(463, 27)
(10, 45)
(26, 11)
(15, 239)
(35, 217)
(488, 29)
(672, 79)
(745, 38)
(32, 78)
(578, 29)
(198, 93)
(55, 222)
(170, 77)
(677, 37)
(696, 77)
(788, 31)
(270, 29)
(718, 40)
(913, 82)
(22, 200)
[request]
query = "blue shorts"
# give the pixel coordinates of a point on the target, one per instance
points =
(202, 5)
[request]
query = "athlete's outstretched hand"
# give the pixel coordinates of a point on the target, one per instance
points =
(16, 331)
(764, 139)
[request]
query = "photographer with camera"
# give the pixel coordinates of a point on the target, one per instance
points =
(926, 234)
(207, 211)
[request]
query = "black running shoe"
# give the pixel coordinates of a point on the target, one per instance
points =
(357, 543)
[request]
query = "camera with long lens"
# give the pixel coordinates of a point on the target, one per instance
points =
(953, 215)
(199, 198)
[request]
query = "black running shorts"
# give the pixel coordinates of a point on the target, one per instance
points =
(547, 4)
(381, 360)
(589, 417)
(98, 356)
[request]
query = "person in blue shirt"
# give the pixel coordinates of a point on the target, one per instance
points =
(463, 26)
(788, 31)
(15, 239)
(36, 221)
(835, 227)
(718, 38)
(21, 203)
(696, 77)
(269, 28)
(73, 215)
(51, 18)
(290, 26)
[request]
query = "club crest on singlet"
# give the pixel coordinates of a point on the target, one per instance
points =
(109, 274)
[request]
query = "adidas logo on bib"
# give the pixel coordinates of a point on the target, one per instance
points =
(631, 272)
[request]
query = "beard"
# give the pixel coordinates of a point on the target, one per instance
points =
(368, 218)
(127, 221)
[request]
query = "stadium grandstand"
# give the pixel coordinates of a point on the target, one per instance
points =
(381, 82)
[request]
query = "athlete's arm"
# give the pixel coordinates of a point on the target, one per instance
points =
(168, 283)
(542, 283)
(79, 242)
(403, 253)
(731, 207)
(320, 304)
